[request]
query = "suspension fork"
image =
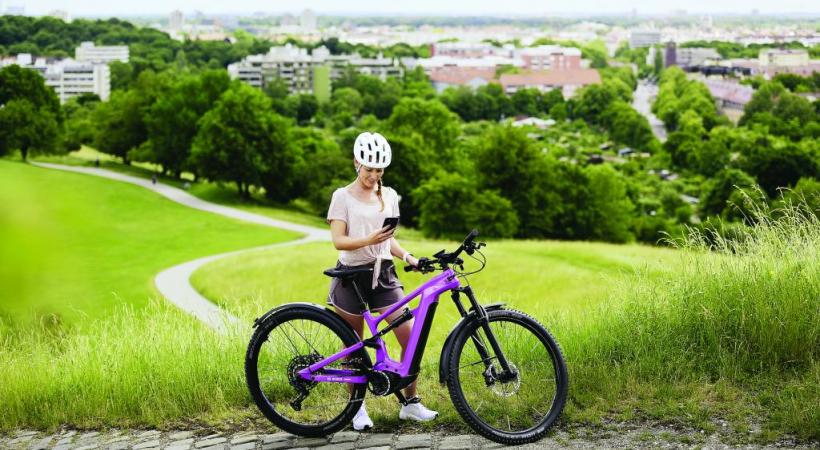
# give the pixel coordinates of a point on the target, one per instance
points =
(484, 321)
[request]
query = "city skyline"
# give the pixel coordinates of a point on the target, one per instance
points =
(421, 7)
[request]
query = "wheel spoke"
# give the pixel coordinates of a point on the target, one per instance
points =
(515, 405)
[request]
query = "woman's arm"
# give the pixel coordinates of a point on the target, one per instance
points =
(338, 233)
(397, 251)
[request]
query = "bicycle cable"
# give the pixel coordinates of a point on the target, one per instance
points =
(482, 261)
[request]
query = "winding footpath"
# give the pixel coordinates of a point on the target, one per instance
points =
(174, 283)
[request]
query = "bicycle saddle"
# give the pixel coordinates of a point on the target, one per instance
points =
(345, 273)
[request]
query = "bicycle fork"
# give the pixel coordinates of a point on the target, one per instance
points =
(507, 373)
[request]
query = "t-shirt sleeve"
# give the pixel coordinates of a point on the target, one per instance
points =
(338, 207)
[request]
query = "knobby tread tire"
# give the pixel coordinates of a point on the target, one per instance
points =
(460, 403)
(263, 329)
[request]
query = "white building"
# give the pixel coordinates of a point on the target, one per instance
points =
(67, 77)
(60, 14)
(88, 52)
(308, 20)
(695, 56)
(176, 20)
(783, 57)
(72, 80)
(644, 38)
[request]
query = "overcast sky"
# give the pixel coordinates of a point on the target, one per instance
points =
(430, 7)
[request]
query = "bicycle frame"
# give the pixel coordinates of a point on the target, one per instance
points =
(409, 365)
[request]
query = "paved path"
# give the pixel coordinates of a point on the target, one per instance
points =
(642, 102)
(174, 282)
(614, 436)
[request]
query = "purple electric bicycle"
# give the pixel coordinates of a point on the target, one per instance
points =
(308, 371)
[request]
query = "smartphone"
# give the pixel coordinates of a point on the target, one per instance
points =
(391, 222)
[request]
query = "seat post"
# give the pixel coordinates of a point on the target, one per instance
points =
(359, 295)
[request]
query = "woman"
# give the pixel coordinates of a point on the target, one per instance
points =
(356, 214)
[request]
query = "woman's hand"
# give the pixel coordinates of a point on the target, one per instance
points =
(413, 261)
(380, 235)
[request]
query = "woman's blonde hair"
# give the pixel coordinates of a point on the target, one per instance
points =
(379, 193)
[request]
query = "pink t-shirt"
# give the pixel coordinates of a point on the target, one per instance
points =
(362, 218)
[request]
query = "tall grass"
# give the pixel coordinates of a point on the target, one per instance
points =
(146, 366)
(741, 313)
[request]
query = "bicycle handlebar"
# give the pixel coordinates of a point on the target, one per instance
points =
(445, 259)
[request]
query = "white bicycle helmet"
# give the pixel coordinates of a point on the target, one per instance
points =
(372, 150)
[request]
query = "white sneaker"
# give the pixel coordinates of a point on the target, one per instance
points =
(418, 412)
(361, 421)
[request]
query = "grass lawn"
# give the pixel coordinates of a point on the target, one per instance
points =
(75, 246)
(546, 279)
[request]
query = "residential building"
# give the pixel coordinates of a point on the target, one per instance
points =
(308, 20)
(550, 57)
(467, 50)
(644, 38)
(87, 52)
(298, 69)
(72, 80)
(444, 77)
(176, 20)
(567, 80)
(729, 94)
(67, 77)
(695, 56)
(771, 62)
(783, 57)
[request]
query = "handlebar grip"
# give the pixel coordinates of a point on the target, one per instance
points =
(408, 268)
(473, 234)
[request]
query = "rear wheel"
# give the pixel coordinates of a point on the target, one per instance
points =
(520, 408)
(286, 342)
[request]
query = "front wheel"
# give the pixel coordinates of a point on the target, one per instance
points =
(514, 409)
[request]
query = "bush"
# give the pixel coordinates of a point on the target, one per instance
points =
(451, 205)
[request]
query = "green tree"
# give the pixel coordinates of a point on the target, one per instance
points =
(451, 205)
(79, 123)
(608, 211)
(243, 141)
(320, 168)
(27, 128)
(121, 120)
(684, 143)
(780, 164)
(172, 120)
(592, 101)
(717, 191)
(430, 119)
(629, 127)
(19, 83)
(31, 116)
(347, 100)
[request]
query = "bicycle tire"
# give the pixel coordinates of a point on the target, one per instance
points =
(525, 368)
(286, 318)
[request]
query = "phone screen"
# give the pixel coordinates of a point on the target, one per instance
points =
(390, 222)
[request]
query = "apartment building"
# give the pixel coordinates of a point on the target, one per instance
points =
(644, 38)
(71, 80)
(303, 71)
(67, 77)
(87, 52)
